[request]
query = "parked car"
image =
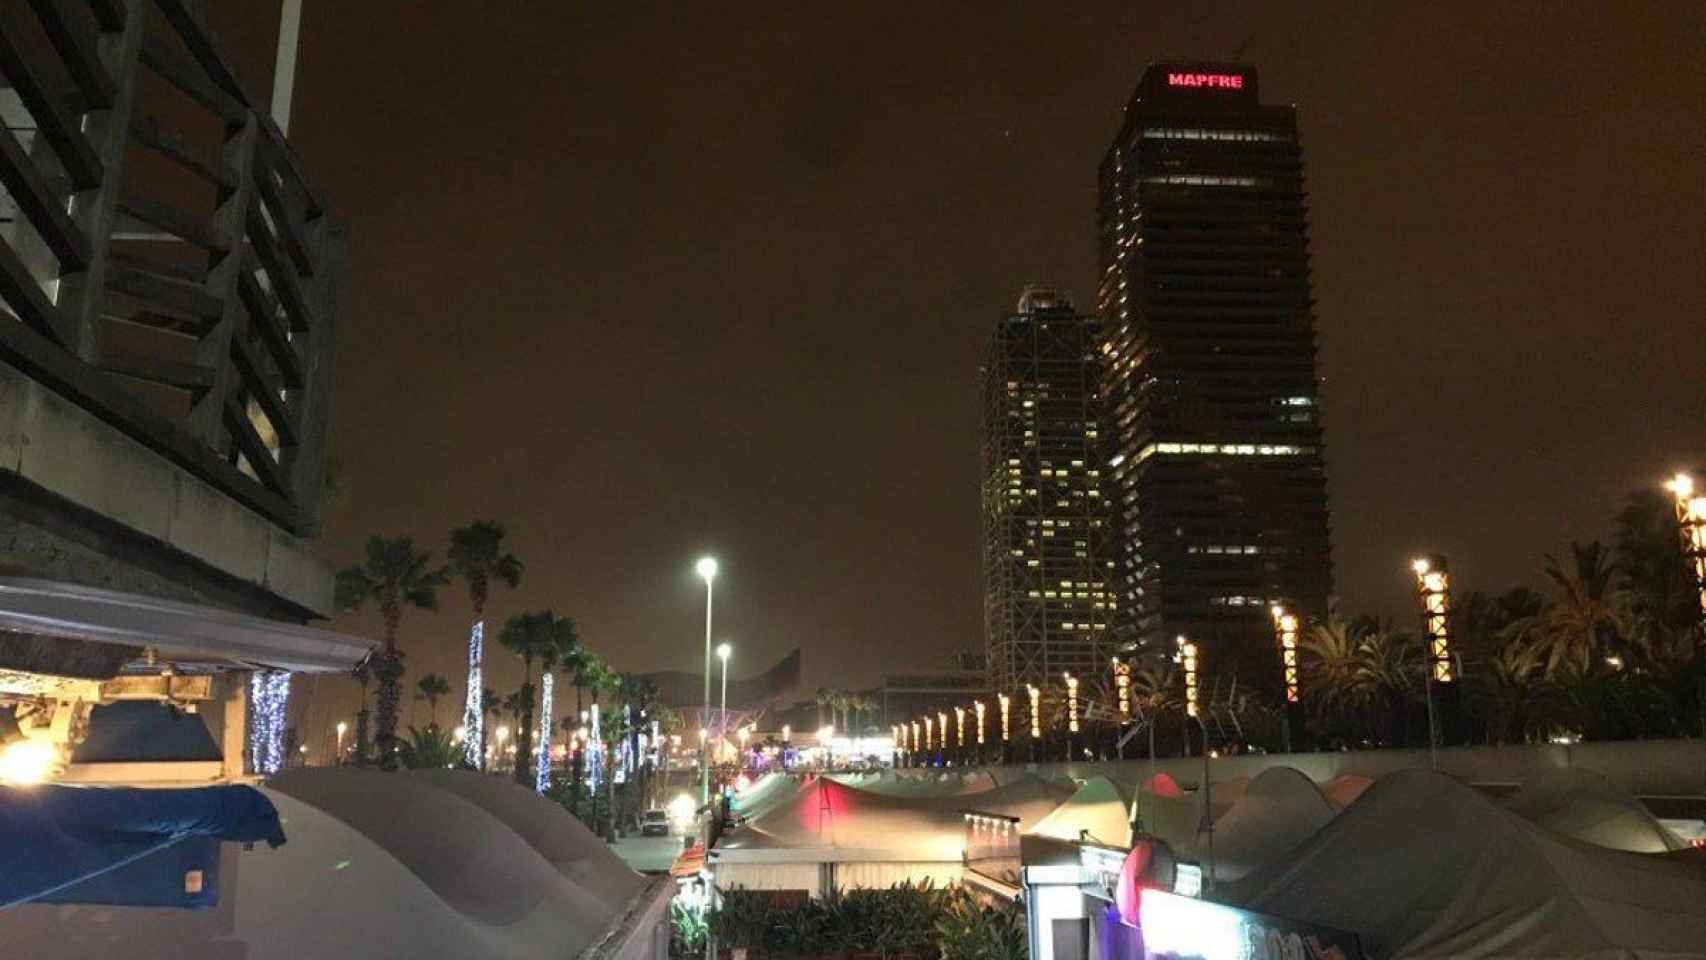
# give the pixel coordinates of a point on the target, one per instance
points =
(655, 823)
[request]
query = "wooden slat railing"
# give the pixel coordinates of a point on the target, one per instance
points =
(227, 308)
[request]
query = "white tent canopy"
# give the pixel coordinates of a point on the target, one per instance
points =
(1424, 867)
(1098, 811)
(1585, 805)
(376, 865)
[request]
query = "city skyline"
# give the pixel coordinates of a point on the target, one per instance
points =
(839, 241)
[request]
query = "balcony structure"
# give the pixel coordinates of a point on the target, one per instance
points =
(167, 279)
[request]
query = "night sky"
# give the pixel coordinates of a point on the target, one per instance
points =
(646, 282)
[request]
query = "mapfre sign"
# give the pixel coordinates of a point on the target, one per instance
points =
(1218, 81)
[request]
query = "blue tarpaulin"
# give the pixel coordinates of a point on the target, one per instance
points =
(122, 845)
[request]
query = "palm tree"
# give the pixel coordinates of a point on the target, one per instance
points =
(558, 642)
(393, 575)
(362, 675)
(1581, 626)
(429, 688)
(823, 698)
(477, 558)
(1334, 682)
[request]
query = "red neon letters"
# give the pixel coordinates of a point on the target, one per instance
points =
(1224, 81)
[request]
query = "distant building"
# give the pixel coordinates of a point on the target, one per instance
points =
(1215, 449)
(1047, 599)
(908, 697)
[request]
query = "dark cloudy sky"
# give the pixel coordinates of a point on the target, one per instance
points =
(650, 280)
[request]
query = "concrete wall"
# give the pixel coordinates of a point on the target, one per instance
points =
(81, 502)
(1642, 767)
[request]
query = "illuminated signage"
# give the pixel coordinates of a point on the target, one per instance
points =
(1216, 81)
(1181, 927)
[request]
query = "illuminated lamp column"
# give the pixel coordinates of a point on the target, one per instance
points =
(1285, 638)
(913, 759)
(1433, 589)
(1006, 724)
(929, 738)
(960, 733)
(977, 705)
(1071, 716)
(1036, 717)
(1691, 524)
(542, 772)
(942, 738)
(1188, 669)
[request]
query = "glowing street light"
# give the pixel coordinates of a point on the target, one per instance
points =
(1071, 704)
(1691, 525)
(1188, 666)
(978, 706)
(707, 570)
(1433, 586)
(1285, 634)
(929, 737)
(1006, 727)
(960, 726)
(1036, 711)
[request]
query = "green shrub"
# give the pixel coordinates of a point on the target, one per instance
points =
(905, 921)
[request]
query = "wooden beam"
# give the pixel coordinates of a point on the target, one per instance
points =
(44, 361)
(190, 83)
(215, 350)
(18, 287)
(148, 130)
(69, 144)
(81, 60)
(182, 225)
(283, 420)
(289, 227)
(127, 276)
(183, 376)
(45, 212)
(285, 285)
(252, 447)
(263, 316)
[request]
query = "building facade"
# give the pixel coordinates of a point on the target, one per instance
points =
(1214, 450)
(1046, 568)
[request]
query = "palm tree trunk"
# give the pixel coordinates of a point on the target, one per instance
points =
(388, 667)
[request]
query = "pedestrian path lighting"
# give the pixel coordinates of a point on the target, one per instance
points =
(1691, 524)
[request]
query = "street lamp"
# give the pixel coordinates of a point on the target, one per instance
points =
(1691, 524)
(1433, 588)
(339, 758)
(707, 569)
(1285, 634)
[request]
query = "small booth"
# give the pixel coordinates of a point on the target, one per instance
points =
(1140, 904)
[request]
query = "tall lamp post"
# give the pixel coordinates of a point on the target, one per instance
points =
(723, 652)
(707, 569)
(1071, 716)
(1006, 726)
(1285, 637)
(1433, 588)
(1691, 525)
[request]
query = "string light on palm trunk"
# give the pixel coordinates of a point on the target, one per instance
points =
(1691, 525)
(1433, 585)
(1285, 634)
(473, 711)
(1122, 687)
(542, 772)
(269, 696)
(1071, 703)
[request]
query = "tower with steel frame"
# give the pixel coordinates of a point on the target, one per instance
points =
(1047, 594)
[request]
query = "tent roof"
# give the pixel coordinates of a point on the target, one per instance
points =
(1584, 805)
(1424, 867)
(1278, 810)
(1098, 809)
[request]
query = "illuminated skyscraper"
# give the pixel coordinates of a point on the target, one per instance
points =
(1215, 458)
(1045, 520)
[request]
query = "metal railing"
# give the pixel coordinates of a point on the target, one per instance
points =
(166, 266)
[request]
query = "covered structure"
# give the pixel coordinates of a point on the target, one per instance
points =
(440, 864)
(1424, 867)
(828, 835)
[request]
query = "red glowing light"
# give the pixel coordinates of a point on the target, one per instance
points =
(1222, 81)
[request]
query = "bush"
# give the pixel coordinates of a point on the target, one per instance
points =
(905, 921)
